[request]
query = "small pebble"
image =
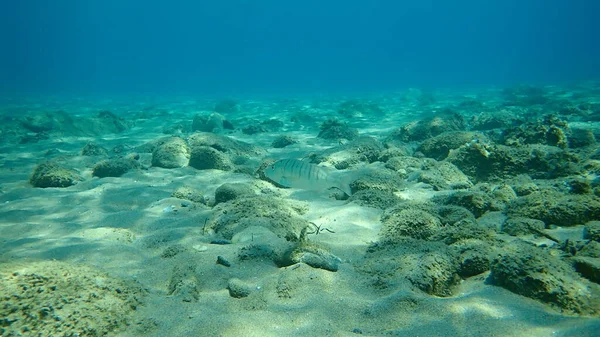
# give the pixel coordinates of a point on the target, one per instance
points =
(223, 261)
(200, 248)
(220, 242)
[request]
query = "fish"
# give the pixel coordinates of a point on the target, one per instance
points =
(301, 174)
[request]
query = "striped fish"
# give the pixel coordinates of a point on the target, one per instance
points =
(303, 175)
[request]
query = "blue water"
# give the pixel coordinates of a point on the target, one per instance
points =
(270, 46)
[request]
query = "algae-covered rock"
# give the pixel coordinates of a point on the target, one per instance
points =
(313, 254)
(53, 298)
(50, 174)
(190, 194)
(427, 128)
(554, 208)
(238, 288)
(534, 273)
(269, 125)
(364, 149)
(206, 158)
(356, 108)
(233, 148)
(405, 165)
(280, 216)
(336, 130)
(91, 149)
(592, 230)
(547, 131)
(429, 266)
(214, 122)
(439, 146)
(184, 283)
(414, 223)
(487, 161)
(588, 267)
(382, 180)
(476, 202)
(171, 153)
(115, 167)
(283, 141)
(444, 175)
(523, 185)
(375, 198)
(494, 120)
(522, 226)
(230, 191)
(39, 122)
(226, 106)
(474, 257)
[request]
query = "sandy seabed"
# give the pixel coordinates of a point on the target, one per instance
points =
(122, 256)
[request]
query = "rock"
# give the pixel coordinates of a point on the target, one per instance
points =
(230, 191)
(579, 186)
(39, 122)
(336, 130)
(260, 252)
(427, 128)
(414, 223)
(474, 257)
(495, 120)
(439, 146)
(314, 255)
(269, 125)
(52, 298)
(444, 175)
(476, 202)
(184, 283)
(522, 226)
(279, 216)
(50, 174)
(429, 266)
(375, 198)
(592, 231)
(356, 108)
(172, 251)
(590, 249)
(283, 141)
(91, 149)
(223, 261)
(190, 194)
(176, 129)
(114, 167)
(233, 148)
(214, 122)
(579, 138)
(406, 165)
(588, 267)
(534, 273)
(171, 153)
(523, 185)
(110, 123)
(487, 161)
(381, 180)
(227, 106)
(206, 158)
(554, 208)
(238, 288)
(547, 131)
(364, 149)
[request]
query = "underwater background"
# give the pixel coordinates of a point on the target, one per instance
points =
(268, 46)
(299, 168)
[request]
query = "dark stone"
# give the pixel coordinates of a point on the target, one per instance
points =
(223, 261)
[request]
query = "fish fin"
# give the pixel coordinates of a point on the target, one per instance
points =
(345, 188)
